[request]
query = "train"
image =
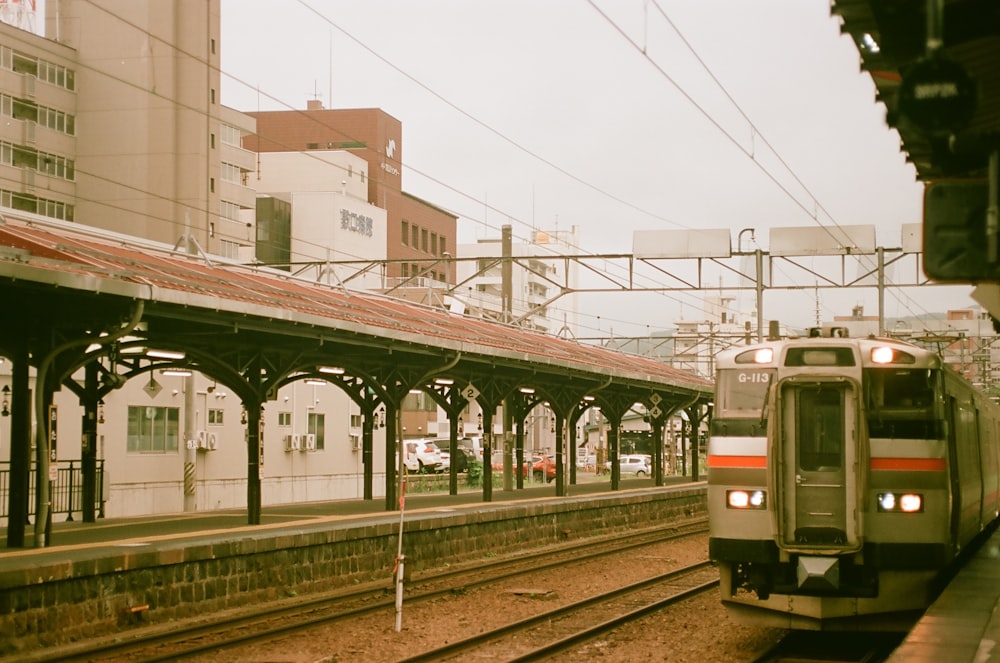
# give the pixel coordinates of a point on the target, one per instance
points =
(845, 477)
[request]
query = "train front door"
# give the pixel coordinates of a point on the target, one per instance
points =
(818, 441)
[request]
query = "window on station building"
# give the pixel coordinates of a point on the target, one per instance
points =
(414, 236)
(423, 241)
(443, 248)
(152, 429)
(434, 243)
(215, 417)
(316, 426)
(285, 419)
(404, 232)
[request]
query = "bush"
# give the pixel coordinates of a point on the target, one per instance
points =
(475, 474)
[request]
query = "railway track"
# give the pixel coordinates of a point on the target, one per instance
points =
(563, 628)
(219, 632)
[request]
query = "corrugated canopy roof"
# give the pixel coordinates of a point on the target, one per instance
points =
(39, 259)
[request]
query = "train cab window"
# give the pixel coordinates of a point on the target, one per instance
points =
(905, 390)
(900, 403)
(741, 393)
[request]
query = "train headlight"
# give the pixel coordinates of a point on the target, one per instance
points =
(911, 503)
(900, 502)
(882, 355)
(746, 499)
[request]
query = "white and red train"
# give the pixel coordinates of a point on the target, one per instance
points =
(844, 476)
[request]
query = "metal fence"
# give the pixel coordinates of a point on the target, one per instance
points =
(67, 490)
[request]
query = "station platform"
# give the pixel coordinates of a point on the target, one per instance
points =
(105, 578)
(114, 533)
(963, 623)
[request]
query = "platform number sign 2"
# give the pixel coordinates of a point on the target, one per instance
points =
(469, 392)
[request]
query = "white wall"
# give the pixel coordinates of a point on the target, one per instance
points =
(150, 483)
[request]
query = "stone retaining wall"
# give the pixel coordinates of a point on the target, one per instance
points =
(167, 581)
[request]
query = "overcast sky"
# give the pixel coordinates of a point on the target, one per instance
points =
(611, 117)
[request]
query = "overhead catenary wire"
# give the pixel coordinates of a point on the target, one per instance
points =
(813, 214)
(483, 221)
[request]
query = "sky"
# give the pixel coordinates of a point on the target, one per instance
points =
(610, 117)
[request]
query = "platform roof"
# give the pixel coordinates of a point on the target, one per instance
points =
(58, 273)
(892, 41)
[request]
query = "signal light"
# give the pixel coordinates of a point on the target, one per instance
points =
(746, 499)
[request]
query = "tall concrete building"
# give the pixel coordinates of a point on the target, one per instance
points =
(127, 123)
(38, 134)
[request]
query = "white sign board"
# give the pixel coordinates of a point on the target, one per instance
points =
(649, 244)
(821, 241)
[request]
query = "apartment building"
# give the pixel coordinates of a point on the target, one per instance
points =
(127, 100)
(538, 275)
(38, 134)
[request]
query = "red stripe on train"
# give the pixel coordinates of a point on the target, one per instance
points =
(738, 461)
(911, 464)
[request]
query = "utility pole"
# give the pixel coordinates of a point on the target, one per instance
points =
(506, 274)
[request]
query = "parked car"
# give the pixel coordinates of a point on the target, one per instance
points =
(496, 462)
(637, 464)
(543, 467)
(463, 459)
(445, 465)
(421, 456)
(473, 444)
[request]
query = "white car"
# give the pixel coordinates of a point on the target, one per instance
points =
(421, 456)
(636, 464)
(445, 461)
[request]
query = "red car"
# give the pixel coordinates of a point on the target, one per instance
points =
(543, 466)
(497, 463)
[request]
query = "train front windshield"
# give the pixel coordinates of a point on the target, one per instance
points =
(900, 402)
